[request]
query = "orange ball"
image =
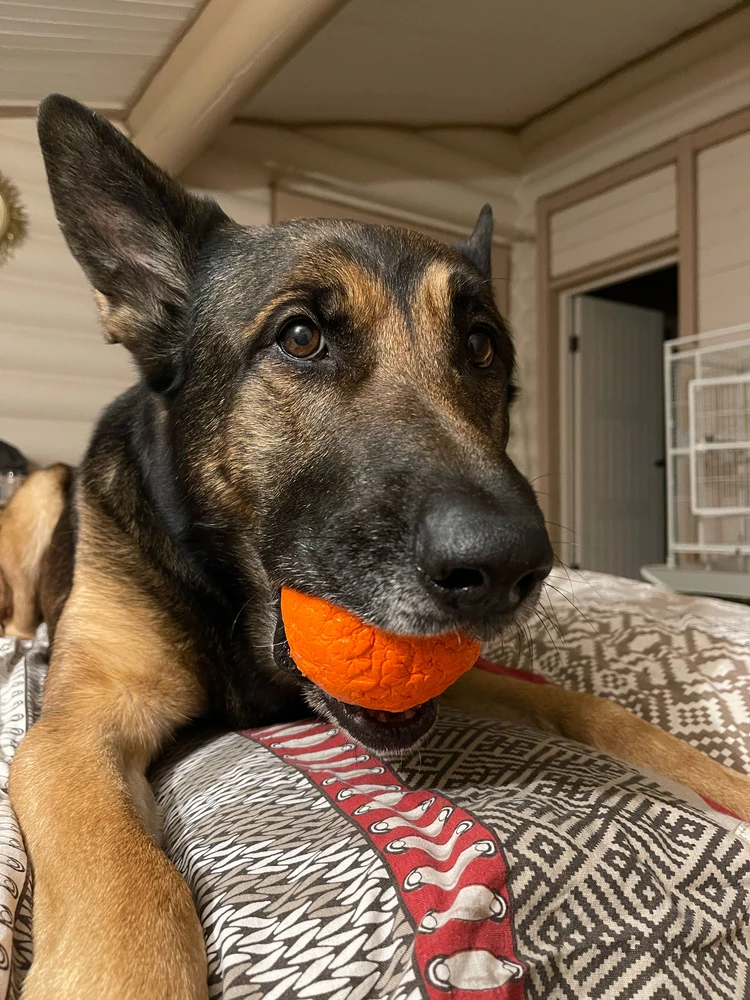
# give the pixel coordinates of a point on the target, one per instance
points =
(361, 665)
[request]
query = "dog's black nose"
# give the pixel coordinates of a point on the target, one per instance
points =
(479, 559)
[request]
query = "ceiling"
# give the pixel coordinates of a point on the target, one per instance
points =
(99, 51)
(433, 62)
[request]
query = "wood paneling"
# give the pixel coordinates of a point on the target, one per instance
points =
(56, 372)
(442, 62)
(229, 52)
(723, 244)
(97, 52)
(620, 219)
(711, 236)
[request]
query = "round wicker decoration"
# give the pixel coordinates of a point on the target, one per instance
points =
(13, 222)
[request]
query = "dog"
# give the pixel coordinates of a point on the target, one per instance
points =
(25, 536)
(322, 405)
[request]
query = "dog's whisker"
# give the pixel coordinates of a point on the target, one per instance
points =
(544, 475)
(553, 610)
(524, 650)
(237, 618)
(541, 611)
(582, 578)
(532, 645)
(562, 527)
(550, 636)
(571, 569)
(575, 608)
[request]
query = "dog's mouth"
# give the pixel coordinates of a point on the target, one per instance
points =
(388, 734)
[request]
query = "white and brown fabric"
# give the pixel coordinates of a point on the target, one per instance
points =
(682, 663)
(497, 863)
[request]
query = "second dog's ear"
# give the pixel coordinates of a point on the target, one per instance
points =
(478, 247)
(133, 229)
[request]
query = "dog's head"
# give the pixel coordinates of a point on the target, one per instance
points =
(335, 397)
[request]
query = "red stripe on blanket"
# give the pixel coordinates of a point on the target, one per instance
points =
(499, 668)
(717, 807)
(449, 868)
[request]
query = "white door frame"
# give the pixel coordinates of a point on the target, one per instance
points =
(569, 421)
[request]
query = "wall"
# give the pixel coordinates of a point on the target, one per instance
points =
(522, 314)
(623, 218)
(56, 371)
(723, 233)
(242, 191)
(689, 100)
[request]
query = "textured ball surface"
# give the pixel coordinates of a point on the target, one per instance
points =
(361, 665)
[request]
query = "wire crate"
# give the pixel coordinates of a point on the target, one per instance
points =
(707, 395)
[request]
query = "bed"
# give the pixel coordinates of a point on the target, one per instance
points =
(499, 862)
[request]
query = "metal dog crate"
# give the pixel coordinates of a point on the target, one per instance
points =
(707, 398)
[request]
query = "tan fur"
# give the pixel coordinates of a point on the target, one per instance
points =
(434, 301)
(604, 725)
(116, 691)
(277, 419)
(118, 321)
(355, 290)
(25, 534)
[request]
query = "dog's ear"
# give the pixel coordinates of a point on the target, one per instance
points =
(478, 247)
(134, 230)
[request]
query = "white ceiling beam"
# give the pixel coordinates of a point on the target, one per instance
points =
(233, 48)
(416, 152)
(217, 168)
(498, 146)
(296, 159)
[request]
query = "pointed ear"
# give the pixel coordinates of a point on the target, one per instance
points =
(134, 230)
(478, 248)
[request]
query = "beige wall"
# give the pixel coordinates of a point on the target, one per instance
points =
(56, 371)
(242, 192)
(625, 217)
(723, 225)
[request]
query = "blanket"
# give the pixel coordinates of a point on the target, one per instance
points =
(498, 862)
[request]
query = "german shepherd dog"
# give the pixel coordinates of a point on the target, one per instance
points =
(320, 405)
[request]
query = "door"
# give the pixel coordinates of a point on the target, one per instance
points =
(618, 450)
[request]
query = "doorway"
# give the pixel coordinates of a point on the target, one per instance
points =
(613, 420)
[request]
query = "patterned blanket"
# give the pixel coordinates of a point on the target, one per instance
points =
(499, 862)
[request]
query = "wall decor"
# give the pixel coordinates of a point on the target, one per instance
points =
(13, 220)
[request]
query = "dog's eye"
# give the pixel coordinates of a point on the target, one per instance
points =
(480, 346)
(301, 339)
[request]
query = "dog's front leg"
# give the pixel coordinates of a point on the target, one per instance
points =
(608, 727)
(112, 917)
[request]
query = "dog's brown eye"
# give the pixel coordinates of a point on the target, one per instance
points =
(480, 346)
(301, 339)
